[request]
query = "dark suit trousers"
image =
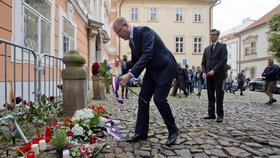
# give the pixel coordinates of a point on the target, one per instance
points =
(215, 85)
(148, 89)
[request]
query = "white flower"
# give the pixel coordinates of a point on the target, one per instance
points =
(83, 114)
(77, 130)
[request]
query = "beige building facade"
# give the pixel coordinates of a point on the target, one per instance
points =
(183, 25)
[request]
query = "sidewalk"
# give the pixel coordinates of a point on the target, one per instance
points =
(250, 128)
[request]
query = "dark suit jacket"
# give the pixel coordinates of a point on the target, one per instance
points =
(215, 61)
(151, 53)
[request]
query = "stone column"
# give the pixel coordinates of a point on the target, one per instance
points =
(74, 83)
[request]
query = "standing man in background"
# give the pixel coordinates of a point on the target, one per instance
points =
(271, 72)
(213, 66)
(148, 51)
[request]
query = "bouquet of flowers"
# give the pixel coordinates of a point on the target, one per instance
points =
(82, 125)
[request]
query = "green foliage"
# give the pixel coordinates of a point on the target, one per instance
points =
(59, 140)
(274, 39)
(40, 114)
(103, 71)
(4, 134)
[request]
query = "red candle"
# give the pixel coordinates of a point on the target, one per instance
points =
(40, 137)
(22, 149)
(92, 140)
(48, 130)
(30, 154)
(27, 146)
(35, 141)
(48, 138)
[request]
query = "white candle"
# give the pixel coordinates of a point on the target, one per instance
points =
(66, 153)
(35, 148)
(42, 145)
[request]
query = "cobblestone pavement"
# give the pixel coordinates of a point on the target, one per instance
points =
(250, 128)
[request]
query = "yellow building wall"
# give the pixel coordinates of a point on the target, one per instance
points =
(168, 28)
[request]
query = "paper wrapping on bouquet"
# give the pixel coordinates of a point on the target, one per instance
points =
(115, 87)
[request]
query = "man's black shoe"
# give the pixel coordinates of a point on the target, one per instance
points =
(269, 102)
(273, 100)
(220, 119)
(210, 117)
(172, 139)
(136, 138)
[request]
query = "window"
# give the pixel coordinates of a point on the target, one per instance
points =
(253, 47)
(179, 14)
(153, 14)
(197, 14)
(68, 36)
(247, 51)
(134, 14)
(197, 44)
(37, 25)
(179, 44)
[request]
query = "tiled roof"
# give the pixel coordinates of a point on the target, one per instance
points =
(262, 20)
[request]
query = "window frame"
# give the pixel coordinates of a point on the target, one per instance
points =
(197, 11)
(196, 44)
(181, 44)
(134, 14)
(152, 12)
(62, 16)
(41, 19)
(180, 12)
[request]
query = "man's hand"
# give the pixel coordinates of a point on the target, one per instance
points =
(210, 73)
(118, 61)
(204, 75)
(124, 79)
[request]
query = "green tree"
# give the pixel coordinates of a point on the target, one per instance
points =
(274, 39)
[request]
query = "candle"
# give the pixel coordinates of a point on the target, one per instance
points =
(48, 138)
(35, 141)
(92, 140)
(27, 146)
(22, 149)
(42, 145)
(66, 153)
(30, 154)
(48, 130)
(35, 148)
(40, 137)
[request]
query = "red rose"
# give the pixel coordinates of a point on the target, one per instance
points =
(30, 103)
(69, 133)
(71, 126)
(24, 102)
(67, 121)
(18, 100)
(94, 68)
(51, 98)
(55, 123)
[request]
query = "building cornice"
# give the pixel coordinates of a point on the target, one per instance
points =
(254, 60)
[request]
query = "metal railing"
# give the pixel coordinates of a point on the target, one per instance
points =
(30, 75)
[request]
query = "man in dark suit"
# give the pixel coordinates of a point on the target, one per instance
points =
(150, 53)
(213, 63)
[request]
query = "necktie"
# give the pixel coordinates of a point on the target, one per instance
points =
(212, 49)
